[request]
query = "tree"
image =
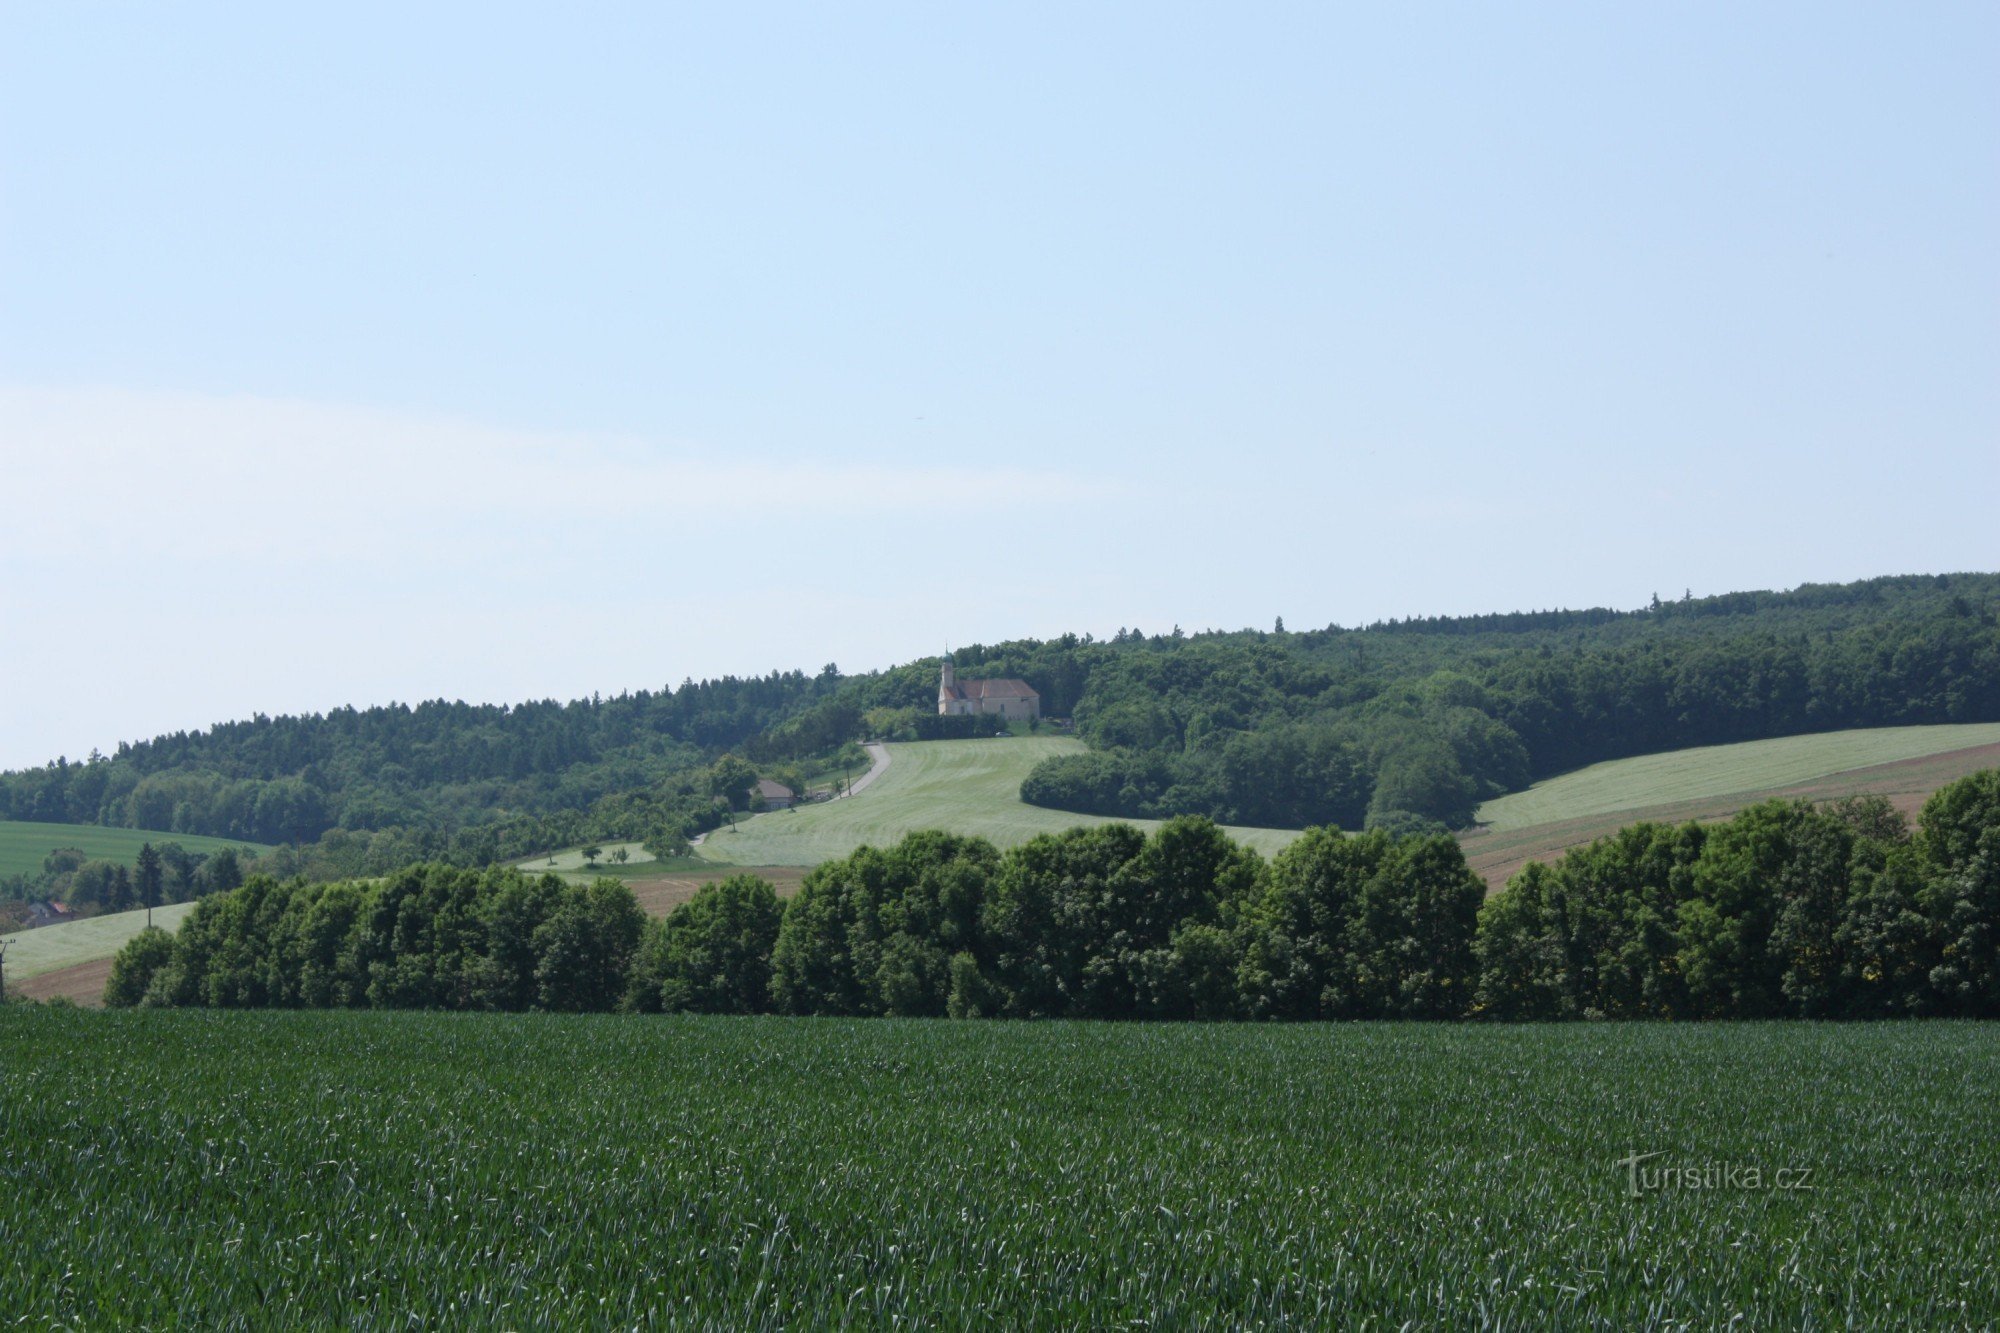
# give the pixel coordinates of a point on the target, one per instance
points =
(731, 779)
(621, 856)
(591, 853)
(147, 880)
(584, 950)
(225, 871)
(132, 971)
(713, 954)
(1775, 862)
(1299, 931)
(1045, 922)
(875, 933)
(1960, 843)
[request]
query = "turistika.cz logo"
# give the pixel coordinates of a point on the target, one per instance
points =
(1641, 1179)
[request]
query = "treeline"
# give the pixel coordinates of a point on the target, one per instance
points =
(437, 766)
(1412, 725)
(1785, 911)
(428, 937)
(1403, 726)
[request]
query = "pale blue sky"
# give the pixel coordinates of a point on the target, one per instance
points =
(354, 353)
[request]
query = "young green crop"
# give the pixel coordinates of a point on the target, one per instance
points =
(288, 1169)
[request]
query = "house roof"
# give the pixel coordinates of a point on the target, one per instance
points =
(772, 791)
(993, 689)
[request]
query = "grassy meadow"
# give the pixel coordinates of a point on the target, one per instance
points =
(311, 1169)
(23, 845)
(969, 787)
(49, 948)
(1721, 770)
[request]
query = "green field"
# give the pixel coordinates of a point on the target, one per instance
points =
(34, 952)
(969, 787)
(23, 845)
(1720, 770)
(319, 1169)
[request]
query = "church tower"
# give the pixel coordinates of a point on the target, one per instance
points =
(947, 688)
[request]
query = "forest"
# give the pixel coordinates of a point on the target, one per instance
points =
(1786, 911)
(1402, 725)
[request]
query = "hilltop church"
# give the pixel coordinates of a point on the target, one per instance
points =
(1010, 699)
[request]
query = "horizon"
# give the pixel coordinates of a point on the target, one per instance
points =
(522, 358)
(669, 687)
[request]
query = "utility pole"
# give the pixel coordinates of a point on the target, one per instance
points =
(3, 970)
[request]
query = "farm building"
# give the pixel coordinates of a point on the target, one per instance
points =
(776, 795)
(1010, 699)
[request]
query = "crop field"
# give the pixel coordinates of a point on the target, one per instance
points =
(50, 948)
(313, 1169)
(23, 845)
(1499, 849)
(969, 787)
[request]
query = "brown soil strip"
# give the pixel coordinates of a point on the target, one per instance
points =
(662, 894)
(83, 983)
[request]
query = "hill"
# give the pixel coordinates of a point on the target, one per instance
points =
(24, 844)
(1406, 720)
(969, 787)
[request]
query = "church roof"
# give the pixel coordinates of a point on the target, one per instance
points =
(992, 689)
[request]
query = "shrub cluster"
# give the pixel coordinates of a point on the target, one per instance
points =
(1786, 911)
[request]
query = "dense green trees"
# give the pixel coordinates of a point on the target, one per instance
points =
(437, 766)
(427, 937)
(1362, 927)
(1411, 724)
(1403, 726)
(1785, 911)
(713, 955)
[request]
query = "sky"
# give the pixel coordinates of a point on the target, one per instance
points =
(362, 353)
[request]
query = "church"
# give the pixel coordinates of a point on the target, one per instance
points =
(1010, 699)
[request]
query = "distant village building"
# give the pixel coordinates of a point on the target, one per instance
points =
(48, 914)
(776, 794)
(1010, 699)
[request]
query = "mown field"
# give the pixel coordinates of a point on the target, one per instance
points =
(970, 787)
(1717, 782)
(23, 845)
(50, 948)
(1719, 770)
(288, 1169)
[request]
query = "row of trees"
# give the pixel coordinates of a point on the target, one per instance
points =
(429, 937)
(1786, 911)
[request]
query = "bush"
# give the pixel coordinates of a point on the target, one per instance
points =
(132, 971)
(713, 955)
